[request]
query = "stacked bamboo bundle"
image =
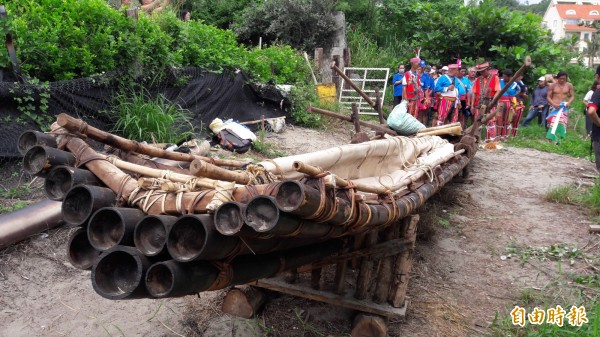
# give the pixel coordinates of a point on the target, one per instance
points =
(155, 230)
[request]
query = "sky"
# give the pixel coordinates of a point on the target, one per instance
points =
(531, 2)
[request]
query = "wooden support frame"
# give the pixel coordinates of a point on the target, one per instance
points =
(380, 294)
(346, 301)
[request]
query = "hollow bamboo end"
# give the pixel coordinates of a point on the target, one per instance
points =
(80, 252)
(106, 228)
(35, 160)
(117, 273)
(150, 235)
(186, 239)
(58, 182)
(160, 280)
(262, 213)
(229, 218)
(289, 195)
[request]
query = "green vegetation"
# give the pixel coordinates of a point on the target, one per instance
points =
(81, 38)
(562, 194)
(555, 252)
(304, 24)
(156, 120)
(534, 136)
(564, 289)
(569, 194)
(266, 148)
(15, 207)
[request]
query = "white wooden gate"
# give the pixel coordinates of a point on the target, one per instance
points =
(367, 79)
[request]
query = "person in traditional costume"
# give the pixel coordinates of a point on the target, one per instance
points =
(464, 90)
(504, 110)
(518, 107)
(428, 89)
(449, 104)
(411, 87)
(484, 89)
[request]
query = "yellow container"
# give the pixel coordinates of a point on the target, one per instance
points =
(326, 93)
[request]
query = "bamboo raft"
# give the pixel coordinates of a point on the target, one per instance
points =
(156, 230)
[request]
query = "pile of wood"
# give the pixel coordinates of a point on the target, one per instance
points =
(186, 223)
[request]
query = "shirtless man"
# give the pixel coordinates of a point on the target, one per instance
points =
(561, 91)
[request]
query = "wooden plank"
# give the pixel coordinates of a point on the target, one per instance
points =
(594, 228)
(345, 301)
(381, 250)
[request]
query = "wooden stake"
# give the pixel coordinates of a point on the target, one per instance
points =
(369, 326)
(376, 127)
(378, 105)
(384, 279)
(404, 263)
(340, 277)
(594, 228)
(366, 269)
(315, 279)
(243, 301)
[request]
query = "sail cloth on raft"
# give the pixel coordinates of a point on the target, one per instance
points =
(378, 163)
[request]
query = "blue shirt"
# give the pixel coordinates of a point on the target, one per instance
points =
(443, 82)
(427, 82)
(397, 87)
(512, 91)
(465, 88)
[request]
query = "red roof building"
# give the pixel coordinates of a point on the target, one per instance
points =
(569, 18)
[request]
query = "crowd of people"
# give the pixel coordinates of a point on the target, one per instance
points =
(455, 94)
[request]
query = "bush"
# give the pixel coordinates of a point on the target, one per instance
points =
(290, 67)
(75, 38)
(303, 24)
(157, 121)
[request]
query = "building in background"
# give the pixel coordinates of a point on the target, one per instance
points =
(569, 18)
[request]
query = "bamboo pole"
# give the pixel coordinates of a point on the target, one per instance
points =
(455, 130)
(425, 130)
(136, 159)
(375, 127)
(200, 168)
(313, 171)
(78, 126)
(118, 181)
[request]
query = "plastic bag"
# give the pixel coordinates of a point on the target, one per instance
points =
(402, 122)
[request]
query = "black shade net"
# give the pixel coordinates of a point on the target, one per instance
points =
(204, 94)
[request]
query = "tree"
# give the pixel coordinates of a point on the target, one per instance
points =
(303, 24)
(593, 48)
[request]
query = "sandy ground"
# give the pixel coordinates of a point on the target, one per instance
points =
(460, 278)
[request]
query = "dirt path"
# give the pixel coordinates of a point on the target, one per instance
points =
(459, 281)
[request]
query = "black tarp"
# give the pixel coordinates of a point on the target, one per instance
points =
(206, 95)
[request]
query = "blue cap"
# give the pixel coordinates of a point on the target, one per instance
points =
(423, 63)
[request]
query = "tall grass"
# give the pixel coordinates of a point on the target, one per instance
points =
(153, 120)
(576, 144)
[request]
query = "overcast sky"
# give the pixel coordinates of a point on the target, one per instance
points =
(531, 2)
